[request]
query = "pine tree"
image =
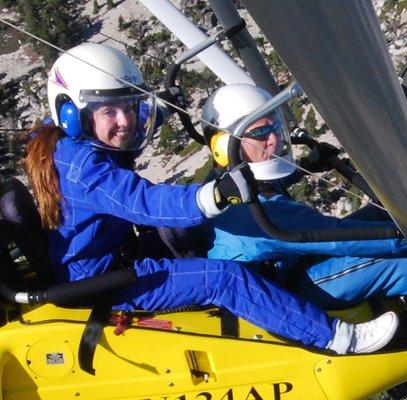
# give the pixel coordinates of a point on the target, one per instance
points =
(54, 26)
(49, 20)
(7, 3)
(3, 99)
(121, 23)
(110, 4)
(26, 8)
(95, 7)
(48, 53)
(310, 122)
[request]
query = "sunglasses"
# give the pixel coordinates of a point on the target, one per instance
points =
(262, 132)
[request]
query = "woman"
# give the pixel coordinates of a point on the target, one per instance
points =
(89, 198)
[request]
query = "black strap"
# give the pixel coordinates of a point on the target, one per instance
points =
(229, 323)
(98, 319)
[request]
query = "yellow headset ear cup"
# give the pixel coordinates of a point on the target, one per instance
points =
(219, 147)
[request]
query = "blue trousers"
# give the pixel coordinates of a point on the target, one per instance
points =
(172, 283)
(343, 281)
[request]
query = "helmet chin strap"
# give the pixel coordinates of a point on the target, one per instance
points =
(271, 169)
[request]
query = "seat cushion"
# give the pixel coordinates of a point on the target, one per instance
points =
(20, 222)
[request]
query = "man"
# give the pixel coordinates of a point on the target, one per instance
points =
(333, 274)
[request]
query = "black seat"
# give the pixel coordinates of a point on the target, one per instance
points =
(20, 226)
(187, 242)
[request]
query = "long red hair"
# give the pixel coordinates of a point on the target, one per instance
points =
(39, 165)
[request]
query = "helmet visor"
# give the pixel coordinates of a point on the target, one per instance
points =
(119, 119)
(111, 95)
(266, 139)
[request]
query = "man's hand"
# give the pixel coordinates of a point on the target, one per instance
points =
(321, 158)
(235, 187)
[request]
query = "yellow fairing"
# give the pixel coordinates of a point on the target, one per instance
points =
(178, 356)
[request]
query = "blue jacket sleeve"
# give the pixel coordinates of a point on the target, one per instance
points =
(238, 237)
(116, 191)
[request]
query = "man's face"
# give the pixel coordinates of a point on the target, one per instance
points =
(260, 148)
(114, 124)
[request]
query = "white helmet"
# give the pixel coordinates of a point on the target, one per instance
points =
(230, 104)
(93, 73)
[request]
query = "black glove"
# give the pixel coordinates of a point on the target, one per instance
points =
(175, 96)
(320, 158)
(235, 187)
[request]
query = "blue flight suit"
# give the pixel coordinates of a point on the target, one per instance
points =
(337, 274)
(103, 198)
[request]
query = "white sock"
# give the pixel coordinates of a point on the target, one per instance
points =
(342, 338)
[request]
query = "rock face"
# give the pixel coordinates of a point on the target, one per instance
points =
(130, 27)
(393, 23)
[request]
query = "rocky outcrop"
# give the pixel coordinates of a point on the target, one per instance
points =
(393, 23)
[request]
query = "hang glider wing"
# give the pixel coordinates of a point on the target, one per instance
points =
(336, 51)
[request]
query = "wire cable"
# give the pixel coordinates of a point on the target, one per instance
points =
(174, 106)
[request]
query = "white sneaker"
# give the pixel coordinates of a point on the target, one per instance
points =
(373, 335)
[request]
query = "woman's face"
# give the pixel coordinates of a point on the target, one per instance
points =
(114, 124)
(262, 148)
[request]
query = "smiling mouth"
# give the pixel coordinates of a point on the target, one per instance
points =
(121, 134)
